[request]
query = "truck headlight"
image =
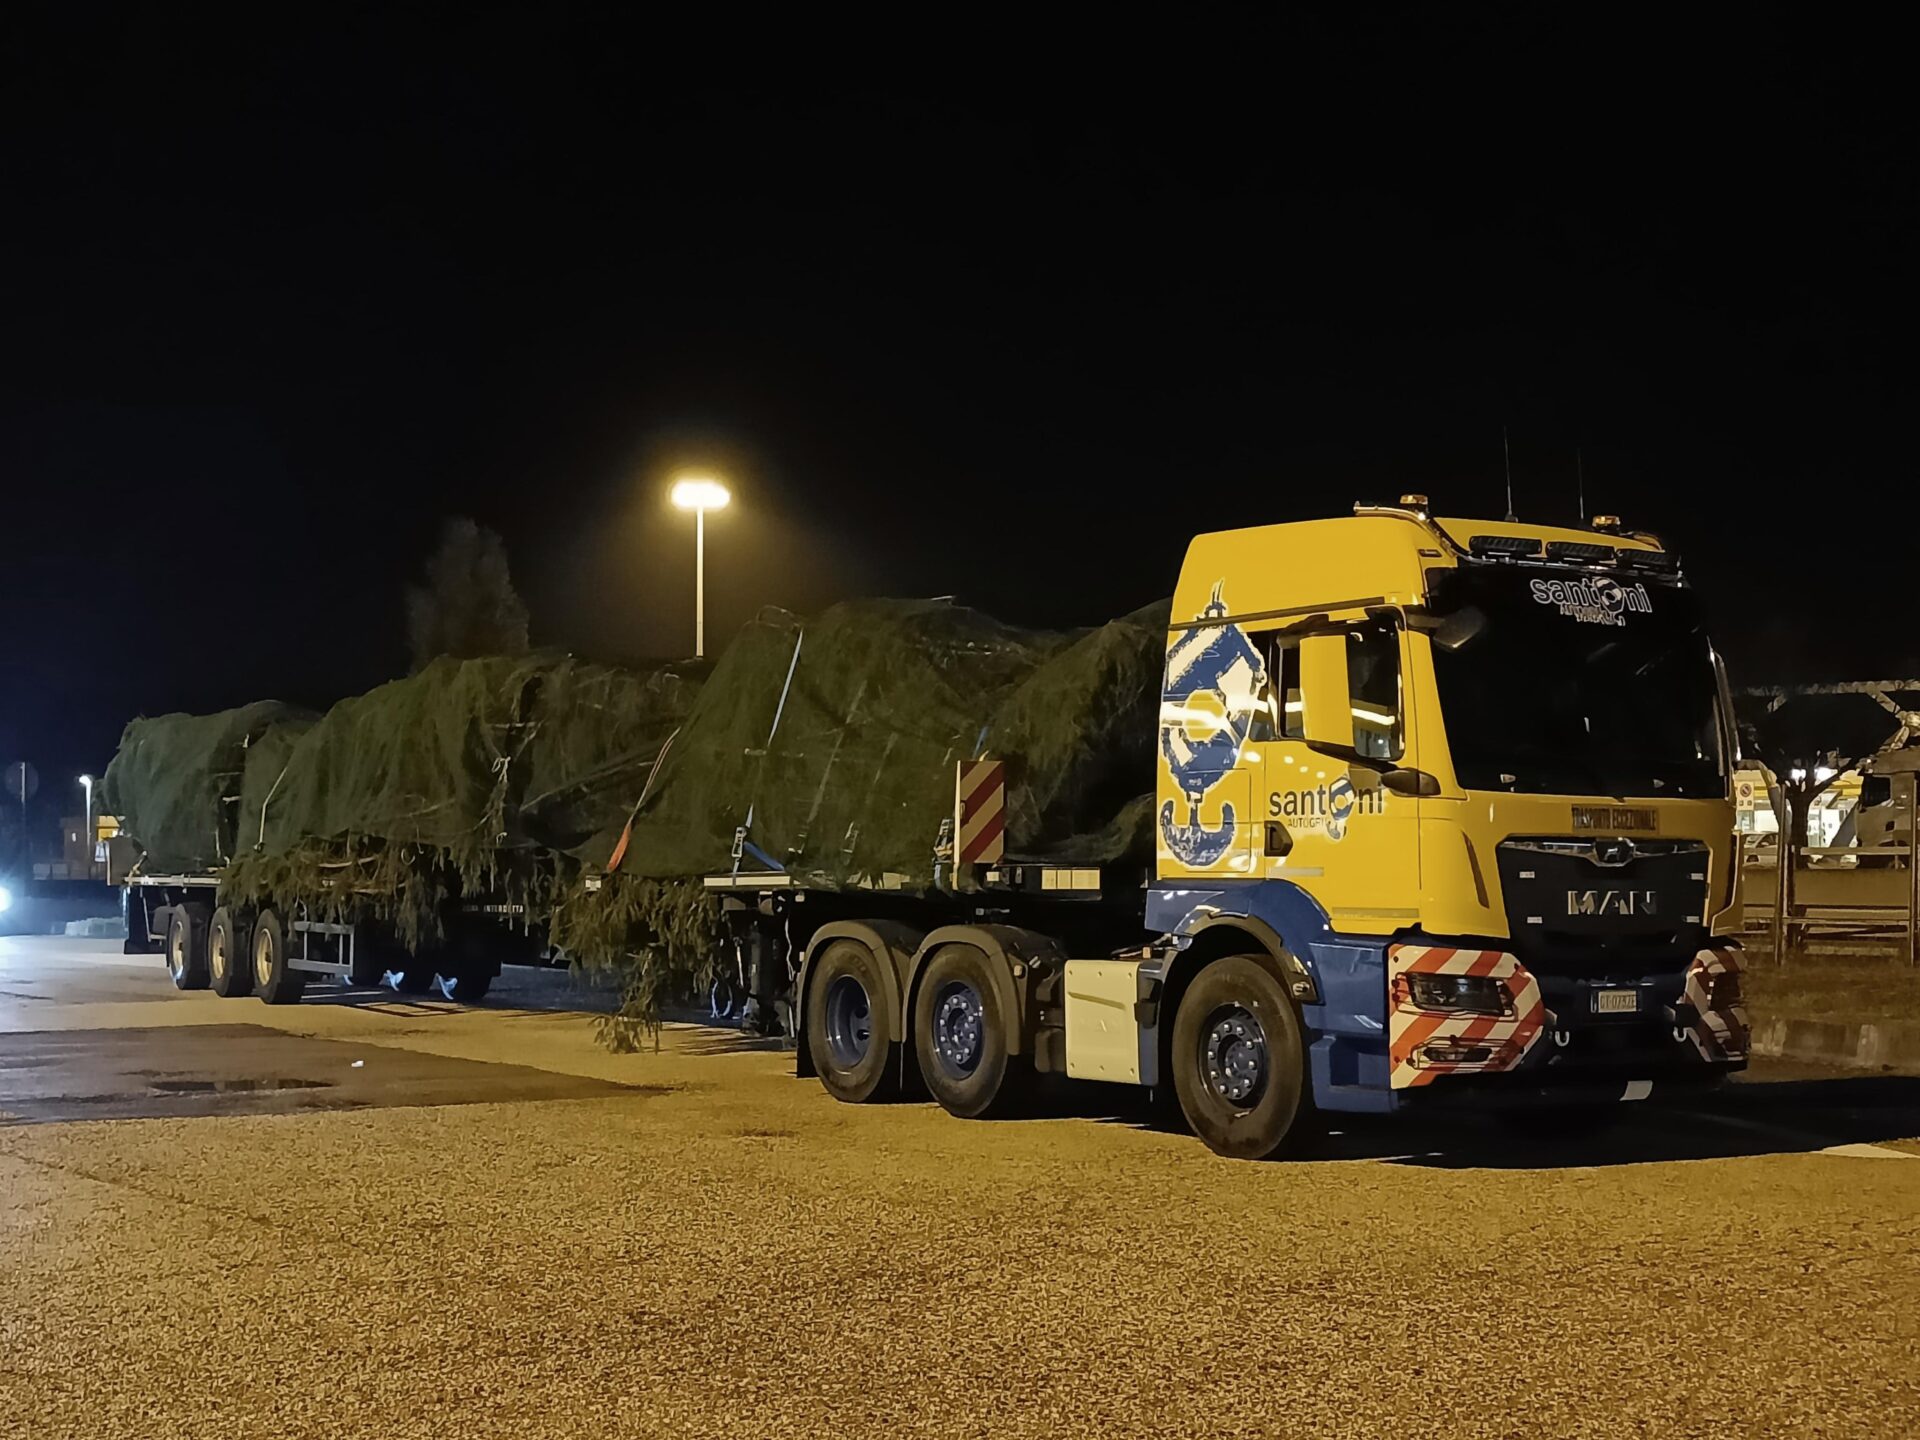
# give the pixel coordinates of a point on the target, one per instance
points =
(1462, 994)
(6, 899)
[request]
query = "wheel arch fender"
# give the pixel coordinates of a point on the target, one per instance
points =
(1215, 938)
(893, 945)
(1013, 955)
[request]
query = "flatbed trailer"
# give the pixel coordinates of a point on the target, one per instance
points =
(274, 952)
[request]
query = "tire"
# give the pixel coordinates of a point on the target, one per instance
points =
(273, 982)
(962, 1034)
(850, 1028)
(1239, 1060)
(466, 987)
(187, 945)
(229, 954)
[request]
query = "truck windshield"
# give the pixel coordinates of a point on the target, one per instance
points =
(1572, 682)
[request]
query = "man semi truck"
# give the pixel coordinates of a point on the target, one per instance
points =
(1443, 812)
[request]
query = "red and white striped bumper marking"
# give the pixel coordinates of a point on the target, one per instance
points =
(1721, 1032)
(1410, 1029)
(980, 812)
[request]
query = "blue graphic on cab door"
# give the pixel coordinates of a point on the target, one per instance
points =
(1214, 680)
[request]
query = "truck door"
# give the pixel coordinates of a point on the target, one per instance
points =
(1338, 714)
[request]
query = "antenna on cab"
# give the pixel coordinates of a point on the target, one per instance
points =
(1506, 449)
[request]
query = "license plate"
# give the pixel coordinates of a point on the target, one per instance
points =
(1616, 1002)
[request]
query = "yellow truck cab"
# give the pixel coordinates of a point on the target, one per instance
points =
(1473, 779)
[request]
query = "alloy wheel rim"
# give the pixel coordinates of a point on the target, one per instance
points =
(849, 1022)
(959, 1028)
(1234, 1057)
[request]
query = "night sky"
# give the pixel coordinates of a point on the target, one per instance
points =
(278, 302)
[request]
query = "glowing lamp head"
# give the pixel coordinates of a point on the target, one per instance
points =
(698, 493)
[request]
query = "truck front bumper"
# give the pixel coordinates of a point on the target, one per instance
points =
(1554, 1036)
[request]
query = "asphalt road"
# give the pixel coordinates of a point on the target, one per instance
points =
(368, 1215)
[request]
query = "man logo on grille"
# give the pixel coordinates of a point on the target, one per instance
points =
(1611, 902)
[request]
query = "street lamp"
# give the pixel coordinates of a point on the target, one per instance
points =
(86, 835)
(699, 494)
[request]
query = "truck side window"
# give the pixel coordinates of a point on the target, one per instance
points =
(1373, 684)
(1281, 715)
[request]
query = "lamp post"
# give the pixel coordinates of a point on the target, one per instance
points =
(86, 833)
(699, 494)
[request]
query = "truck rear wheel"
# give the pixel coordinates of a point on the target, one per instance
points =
(228, 960)
(187, 945)
(1239, 1060)
(273, 981)
(962, 1036)
(850, 1033)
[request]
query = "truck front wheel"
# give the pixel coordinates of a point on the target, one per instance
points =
(1239, 1060)
(850, 1032)
(962, 1036)
(187, 945)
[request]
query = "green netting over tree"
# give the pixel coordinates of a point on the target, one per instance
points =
(843, 772)
(176, 779)
(470, 757)
(831, 743)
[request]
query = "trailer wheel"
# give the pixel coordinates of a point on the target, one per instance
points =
(850, 1034)
(961, 1035)
(187, 945)
(1239, 1060)
(273, 981)
(229, 965)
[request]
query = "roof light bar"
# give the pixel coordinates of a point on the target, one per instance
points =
(1581, 552)
(1519, 546)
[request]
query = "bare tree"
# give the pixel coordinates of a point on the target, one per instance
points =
(467, 605)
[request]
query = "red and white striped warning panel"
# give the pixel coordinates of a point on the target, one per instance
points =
(1720, 1032)
(1425, 1042)
(980, 812)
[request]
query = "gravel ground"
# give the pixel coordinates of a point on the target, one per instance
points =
(742, 1256)
(734, 1254)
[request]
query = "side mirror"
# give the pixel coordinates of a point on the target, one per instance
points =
(1875, 790)
(1326, 712)
(1406, 781)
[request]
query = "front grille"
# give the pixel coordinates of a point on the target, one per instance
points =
(1595, 906)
